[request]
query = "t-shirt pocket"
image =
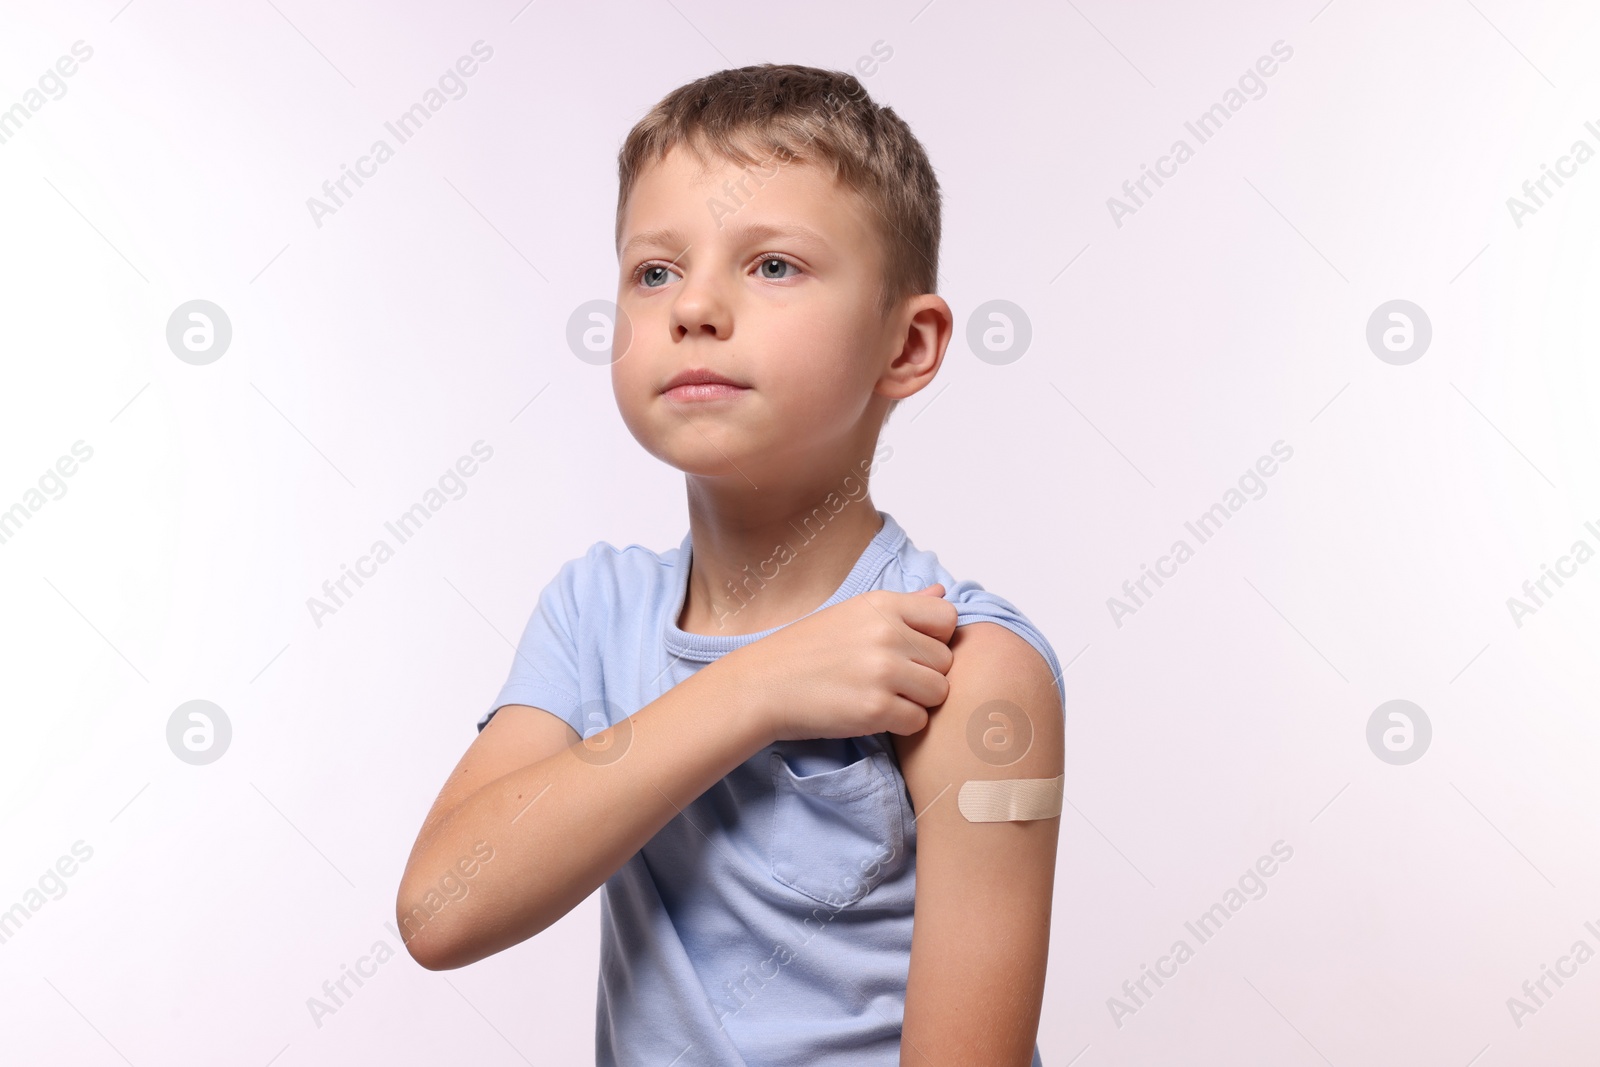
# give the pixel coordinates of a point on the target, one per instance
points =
(837, 833)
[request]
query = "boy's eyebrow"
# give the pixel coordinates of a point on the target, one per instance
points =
(753, 231)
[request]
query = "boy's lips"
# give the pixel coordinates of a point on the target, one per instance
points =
(693, 391)
(699, 376)
(701, 384)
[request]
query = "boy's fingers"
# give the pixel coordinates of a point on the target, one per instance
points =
(935, 620)
(932, 652)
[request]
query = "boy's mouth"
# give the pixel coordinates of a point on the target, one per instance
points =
(702, 384)
(704, 391)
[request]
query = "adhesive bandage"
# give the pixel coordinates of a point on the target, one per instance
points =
(1011, 799)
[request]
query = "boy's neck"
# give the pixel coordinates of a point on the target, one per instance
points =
(752, 570)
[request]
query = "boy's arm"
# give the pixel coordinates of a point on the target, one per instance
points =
(561, 820)
(982, 929)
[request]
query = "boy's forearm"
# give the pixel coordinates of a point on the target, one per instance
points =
(560, 827)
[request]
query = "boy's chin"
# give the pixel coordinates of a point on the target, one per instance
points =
(708, 463)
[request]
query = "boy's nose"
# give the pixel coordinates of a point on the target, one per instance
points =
(699, 308)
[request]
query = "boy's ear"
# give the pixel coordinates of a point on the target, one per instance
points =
(927, 335)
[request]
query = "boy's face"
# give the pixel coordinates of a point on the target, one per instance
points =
(733, 289)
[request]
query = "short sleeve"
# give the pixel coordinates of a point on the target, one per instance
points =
(545, 671)
(976, 604)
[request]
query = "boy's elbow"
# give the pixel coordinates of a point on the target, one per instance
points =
(442, 941)
(426, 940)
(427, 955)
(424, 959)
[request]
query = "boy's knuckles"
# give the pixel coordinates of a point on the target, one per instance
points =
(880, 641)
(877, 601)
(883, 671)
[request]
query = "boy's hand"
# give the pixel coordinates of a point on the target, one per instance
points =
(871, 664)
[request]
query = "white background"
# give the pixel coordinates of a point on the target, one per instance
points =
(1227, 313)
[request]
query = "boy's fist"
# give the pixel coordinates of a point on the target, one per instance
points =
(871, 664)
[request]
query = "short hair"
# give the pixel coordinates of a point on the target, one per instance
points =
(750, 115)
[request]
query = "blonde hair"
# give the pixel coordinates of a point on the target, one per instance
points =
(749, 115)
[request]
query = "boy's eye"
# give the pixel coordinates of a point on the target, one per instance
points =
(772, 267)
(650, 271)
(774, 260)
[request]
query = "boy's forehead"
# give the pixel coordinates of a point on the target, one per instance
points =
(688, 161)
(706, 192)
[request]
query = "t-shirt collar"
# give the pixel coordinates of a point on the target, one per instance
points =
(707, 647)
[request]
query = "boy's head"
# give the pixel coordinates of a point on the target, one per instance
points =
(830, 329)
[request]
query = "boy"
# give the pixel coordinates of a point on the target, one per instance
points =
(761, 742)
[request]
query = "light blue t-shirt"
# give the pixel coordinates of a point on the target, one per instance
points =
(768, 924)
